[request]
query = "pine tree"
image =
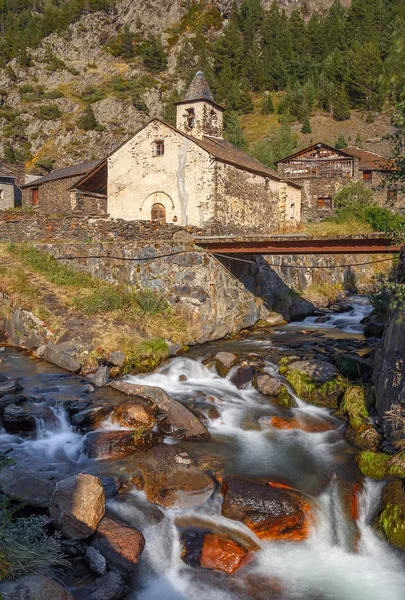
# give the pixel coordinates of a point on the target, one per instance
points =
(366, 75)
(233, 131)
(154, 56)
(127, 43)
(359, 141)
(341, 142)
(87, 120)
(341, 110)
(306, 125)
(267, 104)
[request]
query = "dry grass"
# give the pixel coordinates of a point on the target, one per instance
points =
(329, 228)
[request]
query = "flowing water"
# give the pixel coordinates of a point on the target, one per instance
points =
(343, 559)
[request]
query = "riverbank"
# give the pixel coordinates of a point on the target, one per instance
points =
(189, 457)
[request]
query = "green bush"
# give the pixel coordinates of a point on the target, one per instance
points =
(352, 201)
(152, 302)
(92, 95)
(381, 219)
(50, 112)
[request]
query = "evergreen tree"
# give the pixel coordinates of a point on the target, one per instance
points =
(306, 125)
(233, 131)
(341, 110)
(87, 120)
(267, 104)
(280, 142)
(341, 142)
(153, 55)
(359, 141)
(397, 174)
(366, 75)
(127, 43)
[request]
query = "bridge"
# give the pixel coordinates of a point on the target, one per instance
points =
(374, 243)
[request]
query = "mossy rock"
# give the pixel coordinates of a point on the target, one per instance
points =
(354, 406)
(392, 517)
(285, 399)
(378, 465)
(326, 395)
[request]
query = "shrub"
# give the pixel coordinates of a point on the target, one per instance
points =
(267, 104)
(91, 95)
(152, 302)
(352, 201)
(341, 142)
(139, 103)
(51, 112)
(306, 125)
(45, 164)
(153, 55)
(381, 219)
(88, 121)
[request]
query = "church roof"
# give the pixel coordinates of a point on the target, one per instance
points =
(199, 89)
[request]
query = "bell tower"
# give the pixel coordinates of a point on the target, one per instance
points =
(198, 114)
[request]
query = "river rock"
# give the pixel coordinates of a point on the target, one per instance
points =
(224, 361)
(374, 328)
(61, 358)
(171, 479)
(319, 371)
(109, 587)
(77, 506)
(100, 377)
(300, 309)
(178, 422)
(90, 417)
(352, 366)
(24, 418)
(116, 444)
(8, 385)
(31, 488)
(34, 587)
(96, 561)
(244, 375)
(211, 551)
(268, 385)
(120, 544)
(135, 414)
(273, 512)
(116, 358)
(391, 519)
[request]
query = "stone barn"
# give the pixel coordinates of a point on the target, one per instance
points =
(191, 175)
(10, 195)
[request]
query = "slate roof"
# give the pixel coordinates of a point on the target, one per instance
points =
(72, 171)
(4, 172)
(369, 160)
(199, 89)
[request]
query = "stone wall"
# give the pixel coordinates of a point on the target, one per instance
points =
(208, 119)
(7, 194)
(211, 300)
(53, 196)
(28, 227)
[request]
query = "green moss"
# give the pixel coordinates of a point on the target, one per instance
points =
(146, 356)
(326, 395)
(354, 406)
(392, 522)
(285, 399)
(373, 464)
(302, 384)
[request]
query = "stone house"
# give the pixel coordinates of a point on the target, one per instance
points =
(10, 195)
(373, 170)
(50, 193)
(190, 175)
(322, 170)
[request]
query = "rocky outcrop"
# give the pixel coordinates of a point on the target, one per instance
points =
(77, 506)
(316, 382)
(212, 551)
(32, 488)
(113, 445)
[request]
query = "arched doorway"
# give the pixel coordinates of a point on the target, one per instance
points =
(158, 213)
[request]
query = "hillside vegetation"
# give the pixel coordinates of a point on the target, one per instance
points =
(77, 77)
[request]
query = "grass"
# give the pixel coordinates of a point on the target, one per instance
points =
(330, 228)
(330, 290)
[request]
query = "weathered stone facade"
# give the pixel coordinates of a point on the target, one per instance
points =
(8, 191)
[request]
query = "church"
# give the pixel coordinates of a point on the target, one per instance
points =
(190, 175)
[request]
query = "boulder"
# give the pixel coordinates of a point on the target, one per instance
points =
(117, 444)
(116, 358)
(109, 587)
(120, 544)
(8, 385)
(270, 386)
(244, 375)
(31, 488)
(353, 366)
(171, 479)
(300, 309)
(34, 587)
(310, 425)
(96, 561)
(90, 417)
(28, 417)
(77, 506)
(319, 371)
(271, 511)
(135, 414)
(391, 519)
(61, 358)
(100, 377)
(212, 551)
(178, 422)
(374, 328)
(224, 361)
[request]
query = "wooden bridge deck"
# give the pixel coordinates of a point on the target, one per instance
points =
(374, 243)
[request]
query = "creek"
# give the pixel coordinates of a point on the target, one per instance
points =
(342, 559)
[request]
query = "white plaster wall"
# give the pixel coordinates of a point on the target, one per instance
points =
(6, 195)
(182, 179)
(293, 208)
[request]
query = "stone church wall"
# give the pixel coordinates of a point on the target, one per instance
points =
(53, 196)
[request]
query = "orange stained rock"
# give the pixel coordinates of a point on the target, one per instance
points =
(309, 426)
(223, 554)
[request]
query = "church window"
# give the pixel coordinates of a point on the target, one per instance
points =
(190, 118)
(158, 214)
(158, 148)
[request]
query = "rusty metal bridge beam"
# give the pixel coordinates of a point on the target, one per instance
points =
(346, 245)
